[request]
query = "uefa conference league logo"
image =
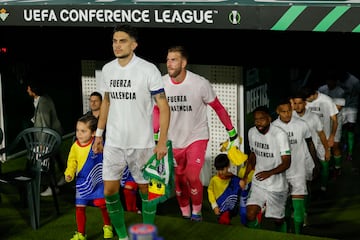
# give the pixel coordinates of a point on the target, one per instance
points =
(234, 17)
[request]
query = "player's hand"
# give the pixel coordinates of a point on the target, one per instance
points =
(263, 175)
(242, 184)
(331, 141)
(217, 211)
(327, 154)
(97, 145)
(160, 150)
(68, 178)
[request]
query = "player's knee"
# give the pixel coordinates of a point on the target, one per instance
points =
(251, 212)
(131, 186)
(143, 188)
(193, 179)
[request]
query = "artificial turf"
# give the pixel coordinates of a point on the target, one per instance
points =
(334, 215)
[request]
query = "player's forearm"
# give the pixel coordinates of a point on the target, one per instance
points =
(334, 125)
(250, 165)
(164, 120)
(283, 166)
(222, 113)
(323, 139)
(312, 150)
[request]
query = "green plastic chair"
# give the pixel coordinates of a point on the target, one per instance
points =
(41, 144)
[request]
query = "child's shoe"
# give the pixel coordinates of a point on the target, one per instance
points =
(225, 218)
(196, 217)
(78, 236)
(108, 232)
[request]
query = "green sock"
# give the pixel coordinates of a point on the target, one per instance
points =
(350, 142)
(338, 161)
(253, 224)
(288, 210)
(148, 209)
(282, 227)
(331, 163)
(324, 174)
(116, 214)
(306, 202)
(299, 211)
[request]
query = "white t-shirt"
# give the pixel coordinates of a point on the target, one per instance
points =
(337, 92)
(324, 106)
(351, 87)
(315, 124)
(130, 88)
(297, 131)
(188, 105)
(268, 149)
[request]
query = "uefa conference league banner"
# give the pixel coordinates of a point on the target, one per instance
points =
(295, 17)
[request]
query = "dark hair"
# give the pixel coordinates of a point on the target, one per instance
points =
(35, 86)
(284, 100)
(89, 120)
(181, 50)
(130, 30)
(263, 108)
(336, 74)
(298, 94)
(307, 92)
(221, 161)
(97, 94)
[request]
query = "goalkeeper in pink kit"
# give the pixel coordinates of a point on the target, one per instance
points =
(188, 96)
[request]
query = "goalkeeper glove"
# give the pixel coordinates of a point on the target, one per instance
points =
(234, 139)
(232, 147)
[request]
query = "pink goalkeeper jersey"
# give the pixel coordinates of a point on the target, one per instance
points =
(188, 105)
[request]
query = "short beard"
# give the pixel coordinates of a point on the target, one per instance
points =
(264, 130)
(175, 74)
(123, 56)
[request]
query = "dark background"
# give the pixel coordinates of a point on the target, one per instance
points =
(54, 55)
